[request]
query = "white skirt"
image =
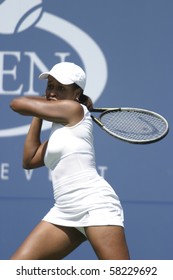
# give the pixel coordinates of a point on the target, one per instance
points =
(85, 199)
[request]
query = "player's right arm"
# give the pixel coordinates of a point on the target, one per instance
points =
(34, 150)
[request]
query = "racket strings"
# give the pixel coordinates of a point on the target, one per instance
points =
(133, 125)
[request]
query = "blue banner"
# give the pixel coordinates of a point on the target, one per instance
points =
(126, 49)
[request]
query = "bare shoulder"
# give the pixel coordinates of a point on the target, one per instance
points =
(70, 104)
(73, 111)
(67, 112)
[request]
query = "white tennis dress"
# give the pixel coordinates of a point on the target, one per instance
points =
(82, 197)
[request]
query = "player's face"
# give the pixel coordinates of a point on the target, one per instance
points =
(58, 91)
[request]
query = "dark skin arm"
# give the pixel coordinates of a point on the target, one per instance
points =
(66, 112)
(34, 150)
(40, 108)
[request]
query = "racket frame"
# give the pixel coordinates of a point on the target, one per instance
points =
(149, 112)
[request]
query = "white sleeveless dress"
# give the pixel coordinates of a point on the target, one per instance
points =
(82, 197)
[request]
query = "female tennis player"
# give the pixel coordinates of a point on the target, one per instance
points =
(86, 206)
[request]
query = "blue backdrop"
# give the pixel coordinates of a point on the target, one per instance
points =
(126, 48)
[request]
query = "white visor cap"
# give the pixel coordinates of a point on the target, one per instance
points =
(66, 73)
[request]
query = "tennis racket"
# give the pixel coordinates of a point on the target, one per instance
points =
(133, 125)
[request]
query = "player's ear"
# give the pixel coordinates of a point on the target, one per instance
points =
(78, 92)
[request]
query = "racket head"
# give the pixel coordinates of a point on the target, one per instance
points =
(134, 125)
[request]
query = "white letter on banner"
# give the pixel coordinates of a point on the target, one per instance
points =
(62, 55)
(102, 170)
(34, 60)
(4, 171)
(28, 174)
(8, 72)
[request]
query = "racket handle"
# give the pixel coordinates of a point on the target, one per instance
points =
(97, 121)
(99, 109)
